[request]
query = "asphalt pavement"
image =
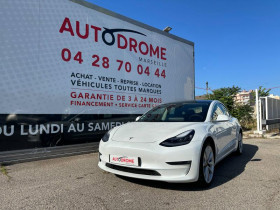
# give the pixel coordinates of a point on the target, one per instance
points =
(250, 181)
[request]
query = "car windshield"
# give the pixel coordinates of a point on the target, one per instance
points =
(181, 112)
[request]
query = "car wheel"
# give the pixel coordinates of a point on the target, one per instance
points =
(240, 144)
(207, 165)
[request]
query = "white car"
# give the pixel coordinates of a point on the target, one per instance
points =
(175, 142)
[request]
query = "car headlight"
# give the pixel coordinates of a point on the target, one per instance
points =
(181, 139)
(106, 137)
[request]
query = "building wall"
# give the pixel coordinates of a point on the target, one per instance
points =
(245, 97)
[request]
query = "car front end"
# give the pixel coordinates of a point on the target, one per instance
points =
(168, 159)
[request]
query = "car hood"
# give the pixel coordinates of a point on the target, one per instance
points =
(148, 132)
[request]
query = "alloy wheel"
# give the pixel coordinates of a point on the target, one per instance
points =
(208, 164)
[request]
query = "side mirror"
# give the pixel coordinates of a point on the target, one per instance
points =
(137, 118)
(222, 118)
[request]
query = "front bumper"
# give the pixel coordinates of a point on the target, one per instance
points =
(156, 161)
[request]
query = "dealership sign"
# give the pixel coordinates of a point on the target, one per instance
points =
(72, 70)
(61, 57)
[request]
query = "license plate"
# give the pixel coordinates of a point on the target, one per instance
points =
(124, 160)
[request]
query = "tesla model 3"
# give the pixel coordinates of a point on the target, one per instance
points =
(175, 142)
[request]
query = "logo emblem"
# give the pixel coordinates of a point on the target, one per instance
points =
(131, 138)
(111, 33)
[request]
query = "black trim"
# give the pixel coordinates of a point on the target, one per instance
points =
(133, 170)
(99, 156)
(180, 163)
(139, 161)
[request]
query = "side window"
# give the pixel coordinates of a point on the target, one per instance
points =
(225, 110)
(218, 110)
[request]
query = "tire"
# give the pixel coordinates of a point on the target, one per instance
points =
(240, 144)
(207, 165)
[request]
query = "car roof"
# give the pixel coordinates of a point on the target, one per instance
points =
(192, 101)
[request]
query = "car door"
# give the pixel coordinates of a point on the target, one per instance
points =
(232, 127)
(221, 130)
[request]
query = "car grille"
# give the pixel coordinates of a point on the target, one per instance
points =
(133, 170)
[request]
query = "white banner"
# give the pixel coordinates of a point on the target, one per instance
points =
(60, 57)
